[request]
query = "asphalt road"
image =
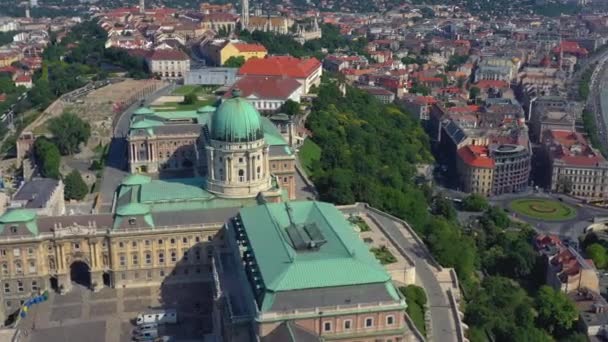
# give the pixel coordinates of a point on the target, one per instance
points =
(443, 325)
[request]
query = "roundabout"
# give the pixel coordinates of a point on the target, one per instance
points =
(542, 209)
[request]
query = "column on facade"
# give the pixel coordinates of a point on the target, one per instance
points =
(266, 163)
(227, 170)
(92, 252)
(211, 165)
(60, 258)
(253, 173)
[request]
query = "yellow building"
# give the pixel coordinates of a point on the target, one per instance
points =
(219, 51)
(8, 58)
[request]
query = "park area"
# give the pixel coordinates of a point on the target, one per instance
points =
(187, 97)
(543, 209)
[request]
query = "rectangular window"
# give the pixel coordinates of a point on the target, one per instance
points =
(369, 322)
(16, 252)
(32, 267)
(34, 285)
(148, 259)
(347, 324)
(135, 259)
(327, 326)
(123, 260)
(390, 320)
(7, 288)
(30, 251)
(19, 286)
(2, 252)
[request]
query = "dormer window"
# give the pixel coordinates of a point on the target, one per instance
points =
(132, 221)
(14, 229)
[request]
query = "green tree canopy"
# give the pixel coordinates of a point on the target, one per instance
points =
(234, 62)
(291, 107)
(598, 254)
(47, 157)
(75, 187)
(475, 202)
(69, 131)
(190, 98)
(556, 312)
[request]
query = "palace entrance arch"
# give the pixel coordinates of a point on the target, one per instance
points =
(80, 273)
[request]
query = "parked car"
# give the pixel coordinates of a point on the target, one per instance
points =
(168, 316)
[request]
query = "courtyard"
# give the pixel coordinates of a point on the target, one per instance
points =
(83, 315)
(543, 209)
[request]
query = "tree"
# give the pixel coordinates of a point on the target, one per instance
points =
(598, 254)
(75, 187)
(291, 107)
(235, 62)
(190, 98)
(564, 184)
(47, 157)
(444, 207)
(475, 202)
(556, 312)
(474, 93)
(69, 131)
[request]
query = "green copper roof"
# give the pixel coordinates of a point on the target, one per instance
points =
(271, 134)
(342, 260)
(18, 216)
(23, 216)
(206, 109)
(174, 190)
(143, 111)
(236, 120)
(136, 179)
(145, 123)
(133, 209)
(178, 115)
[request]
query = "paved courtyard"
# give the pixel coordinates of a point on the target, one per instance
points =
(82, 315)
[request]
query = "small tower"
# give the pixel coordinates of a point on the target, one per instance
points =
(244, 14)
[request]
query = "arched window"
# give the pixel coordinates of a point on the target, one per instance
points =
(161, 258)
(241, 175)
(148, 258)
(173, 256)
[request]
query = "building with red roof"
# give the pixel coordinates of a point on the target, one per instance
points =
(23, 80)
(268, 94)
(568, 271)
(576, 167)
(307, 71)
(475, 169)
(568, 47)
(168, 63)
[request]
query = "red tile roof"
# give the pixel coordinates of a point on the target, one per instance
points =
(169, 55)
(483, 84)
(266, 87)
(573, 149)
(280, 66)
(23, 79)
(476, 156)
(244, 47)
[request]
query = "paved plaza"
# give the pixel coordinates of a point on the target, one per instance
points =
(82, 315)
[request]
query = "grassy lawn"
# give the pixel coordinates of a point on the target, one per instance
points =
(358, 221)
(178, 106)
(309, 152)
(198, 89)
(384, 255)
(416, 300)
(543, 209)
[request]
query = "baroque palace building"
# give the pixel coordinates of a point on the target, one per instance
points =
(281, 270)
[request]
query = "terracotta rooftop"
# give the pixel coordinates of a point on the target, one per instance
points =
(280, 66)
(476, 156)
(169, 55)
(572, 148)
(266, 87)
(245, 47)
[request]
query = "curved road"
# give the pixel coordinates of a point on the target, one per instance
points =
(443, 326)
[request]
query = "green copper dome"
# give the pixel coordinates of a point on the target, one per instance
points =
(236, 120)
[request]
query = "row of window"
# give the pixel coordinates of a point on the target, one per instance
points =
(122, 258)
(17, 252)
(18, 266)
(20, 287)
(160, 242)
(347, 323)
